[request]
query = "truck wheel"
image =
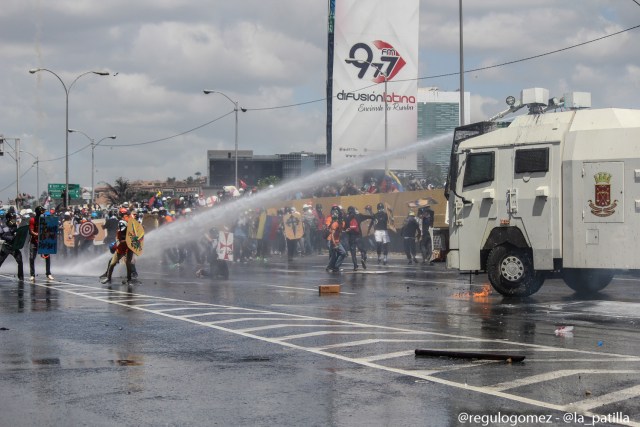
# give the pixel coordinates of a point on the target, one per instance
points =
(511, 272)
(586, 281)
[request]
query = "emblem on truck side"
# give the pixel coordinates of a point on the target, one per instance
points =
(603, 206)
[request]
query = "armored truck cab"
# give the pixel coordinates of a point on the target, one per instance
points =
(549, 192)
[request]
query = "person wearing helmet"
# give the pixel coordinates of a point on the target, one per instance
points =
(410, 233)
(8, 231)
(426, 220)
(34, 232)
(77, 238)
(121, 250)
(337, 252)
(380, 225)
(353, 231)
(110, 227)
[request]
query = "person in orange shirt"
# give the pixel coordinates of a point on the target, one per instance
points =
(337, 252)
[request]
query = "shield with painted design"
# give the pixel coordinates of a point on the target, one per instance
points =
(293, 228)
(225, 246)
(135, 237)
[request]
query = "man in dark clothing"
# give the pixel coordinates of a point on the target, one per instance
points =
(353, 231)
(426, 247)
(8, 234)
(410, 232)
(111, 228)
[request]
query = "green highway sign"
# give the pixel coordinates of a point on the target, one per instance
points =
(55, 191)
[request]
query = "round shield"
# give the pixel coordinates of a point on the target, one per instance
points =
(87, 229)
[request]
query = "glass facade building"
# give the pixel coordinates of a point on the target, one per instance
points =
(438, 114)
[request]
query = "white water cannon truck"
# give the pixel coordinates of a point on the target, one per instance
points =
(554, 192)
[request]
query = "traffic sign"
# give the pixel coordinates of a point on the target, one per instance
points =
(55, 191)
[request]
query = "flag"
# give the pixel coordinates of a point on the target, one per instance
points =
(243, 184)
(394, 179)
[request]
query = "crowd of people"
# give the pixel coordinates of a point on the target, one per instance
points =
(257, 234)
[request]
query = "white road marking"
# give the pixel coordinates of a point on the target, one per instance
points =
(218, 313)
(319, 333)
(582, 406)
(450, 368)
(246, 319)
(386, 356)
(292, 325)
(606, 399)
(376, 341)
(555, 375)
(184, 308)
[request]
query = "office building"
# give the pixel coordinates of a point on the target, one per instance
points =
(438, 114)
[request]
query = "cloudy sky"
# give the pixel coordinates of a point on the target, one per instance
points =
(265, 54)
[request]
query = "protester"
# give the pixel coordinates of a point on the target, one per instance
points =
(310, 227)
(7, 236)
(354, 236)
(337, 252)
(381, 233)
(410, 232)
(121, 250)
(426, 223)
(34, 232)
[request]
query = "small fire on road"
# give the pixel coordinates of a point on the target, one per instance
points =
(481, 296)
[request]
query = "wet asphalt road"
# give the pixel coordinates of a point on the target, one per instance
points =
(264, 349)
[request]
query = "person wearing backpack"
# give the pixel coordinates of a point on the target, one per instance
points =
(353, 231)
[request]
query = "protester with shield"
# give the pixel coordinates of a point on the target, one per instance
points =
(34, 231)
(9, 242)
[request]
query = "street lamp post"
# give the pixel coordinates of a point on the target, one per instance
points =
(235, 110)
(93, 147)
(67, 89)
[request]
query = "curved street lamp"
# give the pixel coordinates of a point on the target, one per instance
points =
(235, 109)
(67, 89)
(93, 147)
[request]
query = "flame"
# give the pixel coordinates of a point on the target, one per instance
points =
(483, 295)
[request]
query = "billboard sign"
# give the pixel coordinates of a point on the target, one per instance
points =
(375, 46)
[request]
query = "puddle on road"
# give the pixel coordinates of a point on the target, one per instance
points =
(82, 363)
(51, 361)
(255, 359)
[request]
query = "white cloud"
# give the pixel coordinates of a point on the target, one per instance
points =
(264, 55)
